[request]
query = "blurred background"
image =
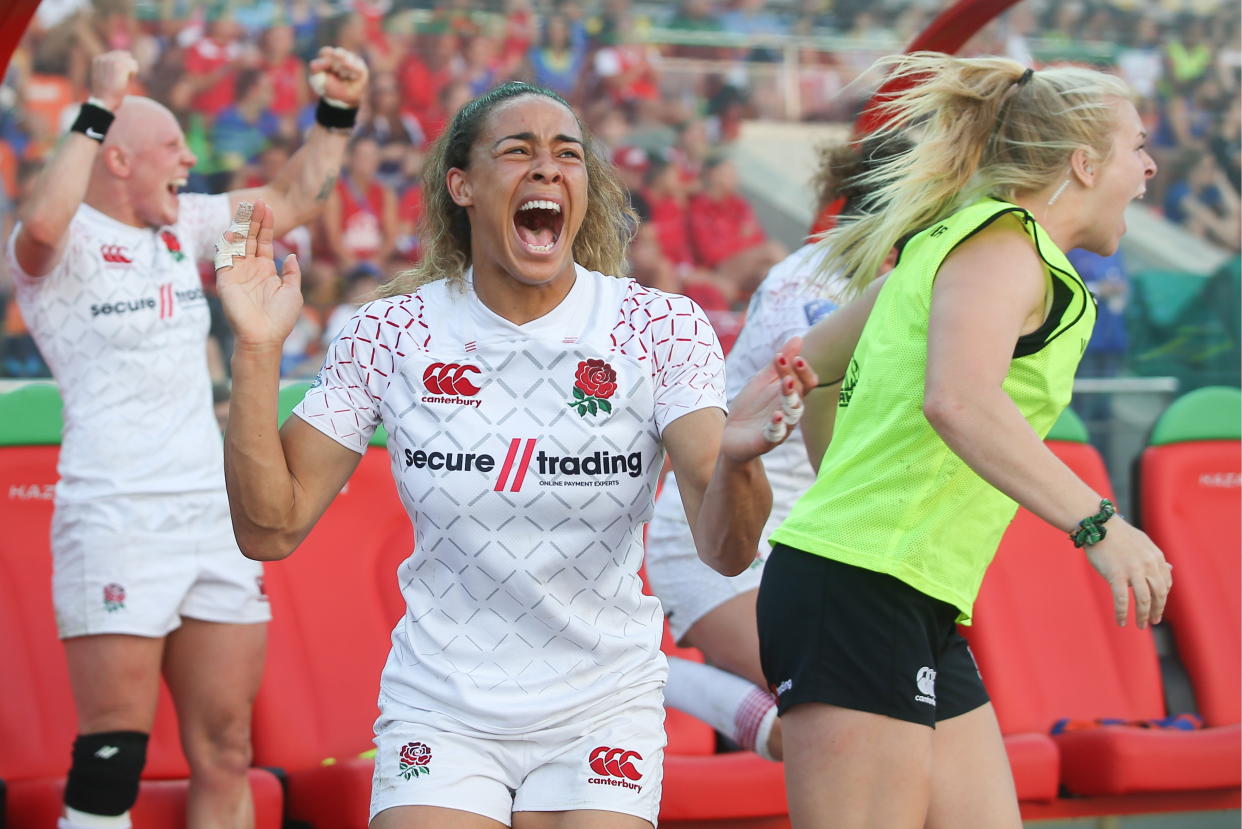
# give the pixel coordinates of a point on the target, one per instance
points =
(712, 111)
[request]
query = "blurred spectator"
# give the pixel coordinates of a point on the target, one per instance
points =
(481, 71)
(690, 152)
(521, 31)
(750, 19)
(422, 78)
(556, 63)
(1202, 199)
(669, 209)
(210, 64)
(696, 16)
(632, 164)
(1108, 349)
(1141, 61)
(1187, 50)
(626, 70)
(285, 71)
(726, 234)
(410, 208)
(394, 129)
(360, 218)
(241, 131)
(453, 96)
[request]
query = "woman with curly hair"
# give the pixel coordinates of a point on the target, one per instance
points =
(529, 397)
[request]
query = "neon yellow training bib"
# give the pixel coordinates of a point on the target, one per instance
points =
(890, 495)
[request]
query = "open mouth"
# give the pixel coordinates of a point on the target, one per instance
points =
(538, 223)
(173, 187)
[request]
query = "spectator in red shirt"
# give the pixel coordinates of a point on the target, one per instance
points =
(360, 217)
(425, 72)
(452, 98)
(394, 128)
(670, 214)
(726, 235)
(284, 70)
(210, 66)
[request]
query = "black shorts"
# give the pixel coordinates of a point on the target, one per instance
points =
(851, 637)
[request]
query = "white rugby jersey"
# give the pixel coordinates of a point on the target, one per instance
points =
(122, 321)
(784, 305)
(527, 457)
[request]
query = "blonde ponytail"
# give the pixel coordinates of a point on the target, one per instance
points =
(980, 126)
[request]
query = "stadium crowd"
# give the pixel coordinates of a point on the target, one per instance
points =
(234, 75)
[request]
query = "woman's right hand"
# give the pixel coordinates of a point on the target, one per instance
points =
(1128, 560)
(261, 305)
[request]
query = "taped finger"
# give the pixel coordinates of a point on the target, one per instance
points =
(238, 230)
(775, 432)
(792, 408)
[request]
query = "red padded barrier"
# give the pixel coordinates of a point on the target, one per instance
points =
(1036, 765)
(37, 717)
(35, 804)
(1048, 648)
(335, 602)
(1192, 508)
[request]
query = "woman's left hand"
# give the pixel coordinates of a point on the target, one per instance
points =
(769, 407)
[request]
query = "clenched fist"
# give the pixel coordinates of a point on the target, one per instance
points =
(111, 74)
(340, 75)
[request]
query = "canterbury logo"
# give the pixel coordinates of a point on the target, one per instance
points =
(450, 378)
(115, 254)
(615, 762)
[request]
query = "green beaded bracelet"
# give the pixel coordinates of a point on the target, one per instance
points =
(1091, 529)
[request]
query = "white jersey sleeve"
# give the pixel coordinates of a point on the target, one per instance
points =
(687, 361)
(344, 401)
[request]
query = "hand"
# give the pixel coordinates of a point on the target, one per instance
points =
(110, 76)
(261, 305)
(761, 409)
(343, 74)
(1128, 560)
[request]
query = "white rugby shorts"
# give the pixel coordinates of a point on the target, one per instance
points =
(613, 762)
(139, 564)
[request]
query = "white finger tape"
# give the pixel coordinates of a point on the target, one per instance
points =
(792, 406)
(239, 228)
(775, 432)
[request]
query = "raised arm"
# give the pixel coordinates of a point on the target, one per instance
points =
(724, 490)
(279, 482)
(988, 293)
(298, 193)
(62, 183)
(829, 346)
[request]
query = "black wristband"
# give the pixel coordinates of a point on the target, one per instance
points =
(335, 118)
(93, 122)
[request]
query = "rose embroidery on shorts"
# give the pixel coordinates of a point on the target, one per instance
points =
(173, 244)
(415, 757)
(595, 382)
(113, 597)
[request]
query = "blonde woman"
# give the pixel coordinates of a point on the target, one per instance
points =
(964, 363)
(529, 399)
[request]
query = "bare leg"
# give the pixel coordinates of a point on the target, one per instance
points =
(728, 636)
(972, 784)
(849, 769)
(115, 681)
(213, 671)
(578, 819)
(430, 817)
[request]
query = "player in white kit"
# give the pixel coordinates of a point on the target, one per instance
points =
(706, 610)
(146, 569)
(529, 399)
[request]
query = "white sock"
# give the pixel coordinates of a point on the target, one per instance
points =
(74, 819)
(728, 703)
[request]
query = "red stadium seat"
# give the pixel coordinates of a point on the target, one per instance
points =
(1190, 506)
(37, 719)
(1049, 649)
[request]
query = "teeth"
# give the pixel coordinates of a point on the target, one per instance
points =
(540, 204)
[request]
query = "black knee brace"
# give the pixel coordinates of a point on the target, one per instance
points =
(103, 779)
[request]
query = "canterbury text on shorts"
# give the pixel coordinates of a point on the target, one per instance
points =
(613, 763)
(846, 636)
(139, 564)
